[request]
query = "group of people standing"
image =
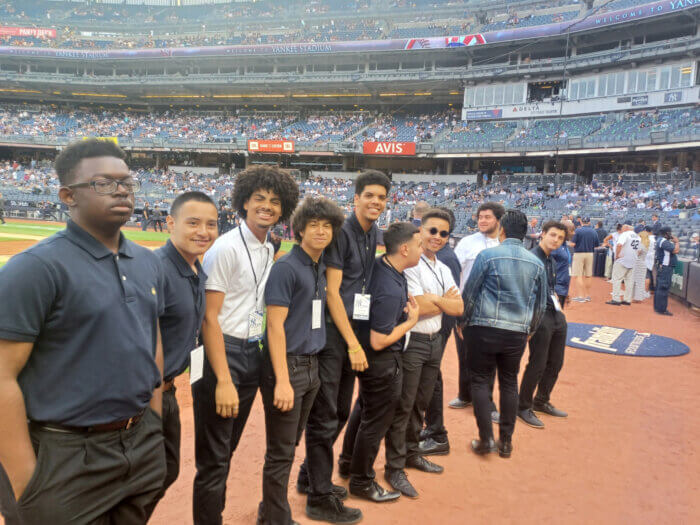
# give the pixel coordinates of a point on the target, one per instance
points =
(100, 328)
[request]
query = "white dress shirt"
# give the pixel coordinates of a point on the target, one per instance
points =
(429, 277)
(229, 271)
(468, 248)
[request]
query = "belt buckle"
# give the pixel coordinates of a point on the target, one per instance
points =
(130, 422)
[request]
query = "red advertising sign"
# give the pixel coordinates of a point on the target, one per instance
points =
(27, 31)
(271, 146)
(389, 148)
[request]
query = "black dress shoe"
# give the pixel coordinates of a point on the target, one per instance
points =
(330, 509)
(430, 447)
(374, 492)
(665, 313)
(339, 492)
(343, 469)
(613, 302)
(625, 303)
(505, 448)
(398, 481)
(420, 463)
(483, 447)
(549, 409)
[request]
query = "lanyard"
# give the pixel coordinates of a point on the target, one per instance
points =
(441, 282)
(252, 268)
(363, 249)
(314, 267)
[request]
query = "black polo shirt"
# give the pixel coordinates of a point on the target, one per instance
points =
(183, 296)
(550, 273)
(353, 251)
(295, 281)
(389, 291)
(93, 318)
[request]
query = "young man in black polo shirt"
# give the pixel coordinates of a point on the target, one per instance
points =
(81, 358)
(295, 296)
(192, 224)
(548, 343)
(237, 267)
(392, 314)
(349, 263)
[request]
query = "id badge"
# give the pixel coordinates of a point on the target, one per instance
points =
(316, 312)
(196, 364)
(360, 310)
(255, 326)
(555, 300)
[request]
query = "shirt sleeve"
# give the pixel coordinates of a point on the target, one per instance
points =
(668, 246)
(28, 290)
(280, 285)
(462, 251)
(383, 316)
(449, 279)
(220, 265)
(337, 252)
(415, 287)
(162, 286)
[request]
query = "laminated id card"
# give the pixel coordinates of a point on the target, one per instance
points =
(255, 326)
(557, 304)
(196, 364)
(360, 309)
(316, 314)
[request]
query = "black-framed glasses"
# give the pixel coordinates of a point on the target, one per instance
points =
(109, 186)
(443, 233)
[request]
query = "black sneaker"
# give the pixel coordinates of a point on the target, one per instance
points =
(330, 509)
(338, 491)
(343, 469)
(529, 418)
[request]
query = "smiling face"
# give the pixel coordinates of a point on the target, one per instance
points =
(487, 222)
(434, 242)
(412, 250)
(99, 210)
(370, 204)
(263, 209)
(317, 234)
(194, 227)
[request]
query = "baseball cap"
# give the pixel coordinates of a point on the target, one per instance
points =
(639, 228)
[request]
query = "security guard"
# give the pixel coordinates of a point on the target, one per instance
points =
(349, 262)
(237, 267)
(295, 296)
(667, 246)
(81, 358)
(193, 229)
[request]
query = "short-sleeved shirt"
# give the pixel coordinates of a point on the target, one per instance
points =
(92, 316)
(231, 271)
(629, 242)
(353, 251)
(468, 248)
(184, 309)
(295, 281)
(389, 290)
(585, 240)
(429, 277)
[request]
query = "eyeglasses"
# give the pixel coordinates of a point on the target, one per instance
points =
(109, 186)
(443, 233)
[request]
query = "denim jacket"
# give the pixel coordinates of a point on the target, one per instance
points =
(507, 289)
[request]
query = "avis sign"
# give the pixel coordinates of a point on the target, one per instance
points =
(389, 148)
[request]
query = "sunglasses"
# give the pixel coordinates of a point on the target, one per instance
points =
(443, 233)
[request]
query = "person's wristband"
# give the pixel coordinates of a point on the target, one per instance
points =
(355, 349)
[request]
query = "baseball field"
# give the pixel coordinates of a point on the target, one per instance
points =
(627, 453)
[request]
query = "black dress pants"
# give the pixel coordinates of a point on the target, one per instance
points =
(434, 414)
(283, 432)
(494, 349)
(329, 413)
(171, 441)
(216, 437)
(663, 287)
(91, 478)
(420, 367)
(465, 379)
(380, 390)
(546, 359)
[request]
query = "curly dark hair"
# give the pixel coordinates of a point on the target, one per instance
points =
(317, 208)
(269, 178)
(497, 209)
(71, 156)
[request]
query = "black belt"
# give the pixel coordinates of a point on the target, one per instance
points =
(428, 338)
(122, 424)
(239, 342)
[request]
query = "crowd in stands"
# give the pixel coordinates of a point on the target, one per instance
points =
(316, 130)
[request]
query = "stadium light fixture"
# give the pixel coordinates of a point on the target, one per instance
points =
(392, 94)
(107, 95)
(424, 94)
(6, 90)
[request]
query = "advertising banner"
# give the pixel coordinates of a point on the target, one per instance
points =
(484, 114)
(271, 146)
(37, 32)
(389, 148)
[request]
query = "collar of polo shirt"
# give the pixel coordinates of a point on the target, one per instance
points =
(87, 242)
(180, 263)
